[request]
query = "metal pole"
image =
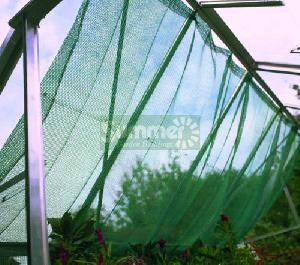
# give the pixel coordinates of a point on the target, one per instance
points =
(293, 107)
(283, 231)
(281, 68)
(239, 3)
(37, 234)
(278, 65)
(277, 71)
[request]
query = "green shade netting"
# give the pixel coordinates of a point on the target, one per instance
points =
(124, 63)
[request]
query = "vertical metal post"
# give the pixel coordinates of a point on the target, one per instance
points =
(37, 234)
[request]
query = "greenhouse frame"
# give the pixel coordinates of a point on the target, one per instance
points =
(140, 87)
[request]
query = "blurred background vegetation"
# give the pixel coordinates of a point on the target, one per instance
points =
(283, 247)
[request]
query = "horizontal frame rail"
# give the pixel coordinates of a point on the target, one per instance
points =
(277, 71)
(280, 65)
(296, 50)
(13, 249)
(239, 3)
(283, 231)
(281, 68)
(292, 107)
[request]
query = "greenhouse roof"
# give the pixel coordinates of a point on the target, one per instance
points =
(268, 33)
(129, 66)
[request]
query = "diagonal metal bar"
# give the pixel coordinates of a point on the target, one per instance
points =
(11, 48)
(10, 53)
(216, 23)
(283, 231)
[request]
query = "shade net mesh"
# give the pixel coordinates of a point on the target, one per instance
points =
(153, 126)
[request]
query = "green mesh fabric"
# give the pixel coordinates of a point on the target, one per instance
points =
(126, 60)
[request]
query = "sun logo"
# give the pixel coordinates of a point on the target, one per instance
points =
(191, 133)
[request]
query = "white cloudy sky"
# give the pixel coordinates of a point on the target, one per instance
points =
(52, 33)
(268, 33)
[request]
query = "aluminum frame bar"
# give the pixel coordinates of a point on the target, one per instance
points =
(239, 3)
(11, 48)
(293, 107)
(278, 65)
(283, 231)
(281, 68)
(10, 53)
(217, 24)
(277, 71)
(296, 50)
(37, 233)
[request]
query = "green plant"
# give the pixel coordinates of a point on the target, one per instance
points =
(282, 248)
(74, 241)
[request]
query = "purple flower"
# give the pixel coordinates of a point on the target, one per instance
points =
(161, 244)
(100, 237)
(63, 255)
(224, 218)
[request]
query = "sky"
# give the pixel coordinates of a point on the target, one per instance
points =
(268, 33)
(52, 32)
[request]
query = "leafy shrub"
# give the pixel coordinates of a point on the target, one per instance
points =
(75, 241)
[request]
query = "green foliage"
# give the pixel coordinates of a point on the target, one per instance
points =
(142, 191)
(73, 239)
(145, 189)
(76, 243)
(283, 248)
(229, 254)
